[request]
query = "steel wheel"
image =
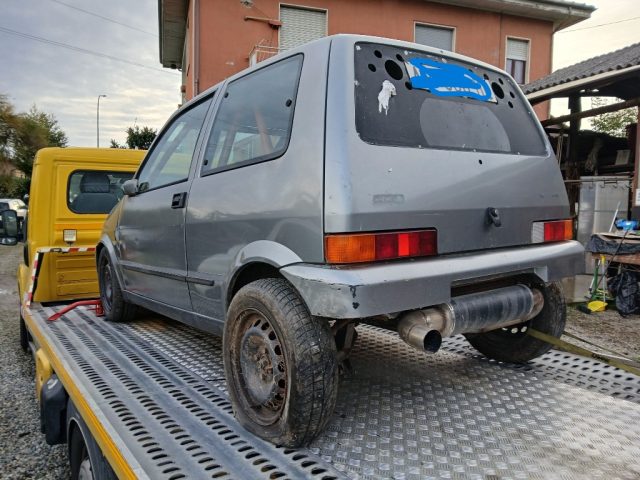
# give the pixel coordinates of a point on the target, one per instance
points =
(260, 368)
(106, 285)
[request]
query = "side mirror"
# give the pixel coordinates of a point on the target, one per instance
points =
(8, 227)
(130, 187)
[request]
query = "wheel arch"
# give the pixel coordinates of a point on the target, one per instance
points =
(261, 259)
(106, 244)
(77, 428)
(249, 273)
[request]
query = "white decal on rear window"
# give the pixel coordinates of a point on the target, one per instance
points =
(388, 91)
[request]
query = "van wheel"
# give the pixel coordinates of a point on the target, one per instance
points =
(85, 458)
(280, 364)
(116, 309)
(24, 335)
(513, 344)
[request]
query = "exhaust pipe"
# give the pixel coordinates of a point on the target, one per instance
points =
(473, 313)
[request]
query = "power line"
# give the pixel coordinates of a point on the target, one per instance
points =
(78, 49)
(600, 25)
(103, 17)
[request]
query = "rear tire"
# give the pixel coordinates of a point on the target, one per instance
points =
(115, 308)
(85, 457)
(513, 344)
(280, 364)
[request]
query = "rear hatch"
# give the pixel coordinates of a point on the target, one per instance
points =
(436, 142)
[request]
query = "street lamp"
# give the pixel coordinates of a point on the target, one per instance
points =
(98, 121)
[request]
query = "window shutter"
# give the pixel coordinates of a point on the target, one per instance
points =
(517, 49)
(437, 37)
(301, 26)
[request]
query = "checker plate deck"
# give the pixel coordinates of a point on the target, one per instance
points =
(400, 414)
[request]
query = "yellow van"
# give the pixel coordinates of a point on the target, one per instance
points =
(72, 191)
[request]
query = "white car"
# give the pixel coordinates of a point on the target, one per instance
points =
(14, 204)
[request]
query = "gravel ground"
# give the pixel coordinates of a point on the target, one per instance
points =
(609, 329)
(23, 451)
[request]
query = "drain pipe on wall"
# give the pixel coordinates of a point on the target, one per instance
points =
(196, 47)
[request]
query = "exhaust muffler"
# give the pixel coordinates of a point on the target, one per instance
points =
(472, 313)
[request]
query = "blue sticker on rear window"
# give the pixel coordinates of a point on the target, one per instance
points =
(447, 80)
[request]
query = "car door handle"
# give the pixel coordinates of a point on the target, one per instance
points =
(179, 200)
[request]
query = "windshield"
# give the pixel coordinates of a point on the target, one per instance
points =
(415, 99)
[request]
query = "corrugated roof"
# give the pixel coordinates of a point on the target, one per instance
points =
(620, 59)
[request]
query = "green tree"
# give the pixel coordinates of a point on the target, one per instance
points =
(612, 123)
(137, 138)
(21, 136)
(8, 121)
(35, 130)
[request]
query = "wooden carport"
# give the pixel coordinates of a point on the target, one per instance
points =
(617, 75)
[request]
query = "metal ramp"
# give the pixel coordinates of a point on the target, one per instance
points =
(402, 414)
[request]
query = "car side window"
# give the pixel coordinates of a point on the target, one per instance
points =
(255, 116)
(170, 159)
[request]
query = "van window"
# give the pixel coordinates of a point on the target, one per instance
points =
(170, 160)
(254, 120)
(95, 191)
(416, 99)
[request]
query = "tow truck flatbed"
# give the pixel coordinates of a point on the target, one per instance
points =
(153, 395)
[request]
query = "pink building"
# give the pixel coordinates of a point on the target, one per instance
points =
(208, 40)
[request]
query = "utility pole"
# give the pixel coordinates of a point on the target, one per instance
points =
(98, 121)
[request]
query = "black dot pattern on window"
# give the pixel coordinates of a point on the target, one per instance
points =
(393, 69)
(497, 89)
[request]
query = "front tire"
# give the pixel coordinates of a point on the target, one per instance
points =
(115, 308)
(280, 364)
(513, 344)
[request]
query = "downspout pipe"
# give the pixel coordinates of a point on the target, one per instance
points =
(196, 47)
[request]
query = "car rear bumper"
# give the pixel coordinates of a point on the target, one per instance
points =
(369, 290)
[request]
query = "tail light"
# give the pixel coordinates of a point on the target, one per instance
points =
(554, 231)
(370, 247)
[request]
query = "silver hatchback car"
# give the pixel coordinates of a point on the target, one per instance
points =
(353, 179)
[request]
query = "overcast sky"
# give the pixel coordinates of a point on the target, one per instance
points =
(67, 82)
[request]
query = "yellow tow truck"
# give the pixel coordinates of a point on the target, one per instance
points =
(148, 399)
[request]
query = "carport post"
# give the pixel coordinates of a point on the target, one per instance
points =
(573, 172)
(635, 204)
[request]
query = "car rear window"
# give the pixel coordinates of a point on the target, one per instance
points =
(95, 191)
(4, 206)
(410, 98)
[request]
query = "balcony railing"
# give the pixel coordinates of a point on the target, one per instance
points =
(262, 52)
